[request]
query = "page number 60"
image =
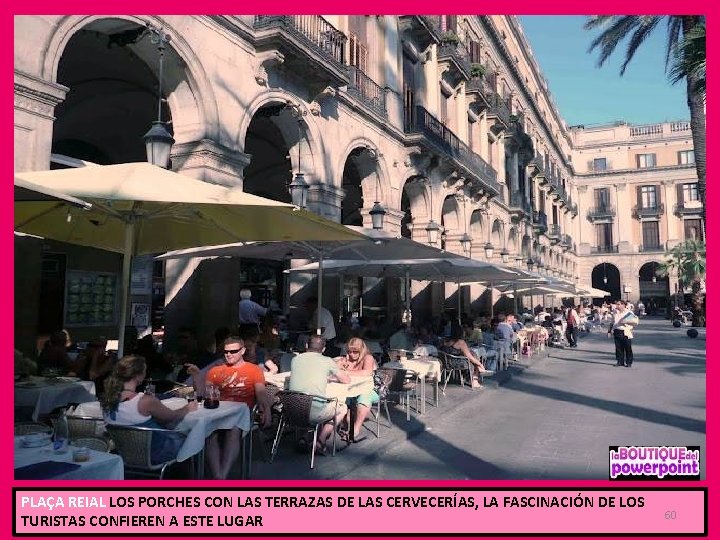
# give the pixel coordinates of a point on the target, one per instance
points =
(670, 514)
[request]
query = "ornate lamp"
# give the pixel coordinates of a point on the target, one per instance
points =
(158, 141)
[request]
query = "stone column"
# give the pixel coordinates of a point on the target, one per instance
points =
(210, 161)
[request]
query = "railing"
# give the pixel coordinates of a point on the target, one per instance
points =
(682, 208)
(328, 40)
(643, 211)
(604, 249)
(539, 162)
(574, 209)
(498, 106)
(458, 52)
(554, 230)
(641, 131)
(432, 128)
(566, 240)
(600, 212)
(368, 91)
(679, 126)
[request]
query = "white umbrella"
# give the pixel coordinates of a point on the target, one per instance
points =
(592, 292)
(26, 191)
(139, 208)
(374, 245)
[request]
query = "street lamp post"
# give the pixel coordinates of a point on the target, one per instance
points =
(158, 141)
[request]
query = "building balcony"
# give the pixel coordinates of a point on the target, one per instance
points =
(652, 248)
(498, 112)
(454, 61)
(566, 241)
(537, 169)
(611, 248)
(310, 46)
(688, 208)
(424, 129)
(553, 232)
(539, 222)
(367, 92)
(519, 205)
(424, 30)
(640, 212)
(601, 213)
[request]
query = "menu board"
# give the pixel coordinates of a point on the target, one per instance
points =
(91, 298)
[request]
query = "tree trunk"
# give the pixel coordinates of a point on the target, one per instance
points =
(696, 104)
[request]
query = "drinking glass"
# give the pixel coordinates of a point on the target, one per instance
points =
(150, 389)
(191, 396)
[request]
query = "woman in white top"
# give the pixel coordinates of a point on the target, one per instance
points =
(123, 405)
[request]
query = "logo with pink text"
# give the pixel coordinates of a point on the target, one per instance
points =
(654, 463)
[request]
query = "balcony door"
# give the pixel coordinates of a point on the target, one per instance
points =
(602, 199)
(604, 235)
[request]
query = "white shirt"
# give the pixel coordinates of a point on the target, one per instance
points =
(325, 321)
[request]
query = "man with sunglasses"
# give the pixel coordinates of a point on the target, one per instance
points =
(238, 381)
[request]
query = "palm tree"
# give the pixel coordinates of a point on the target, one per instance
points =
(687, 260)
(684, 52)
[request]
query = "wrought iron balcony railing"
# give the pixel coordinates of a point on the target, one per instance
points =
(539, 221)
(692, 207)
(434, 130)
(554, 231)
(367, 91)
(610, 248)
(313, 29)
(648, 211)
(601, 212)
(651, 248)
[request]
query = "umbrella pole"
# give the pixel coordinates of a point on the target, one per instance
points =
(125, 283)
(407, 292)
(318, 330)
(515, 297)
(459, 303)
(492, 308)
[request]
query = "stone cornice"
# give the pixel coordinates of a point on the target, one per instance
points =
(37, 96)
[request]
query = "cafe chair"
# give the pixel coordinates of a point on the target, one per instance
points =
(296, 413)
(258, 432)
(453, 365)
(397, 382)
(133, 443)
(26, 428)
(93, 443)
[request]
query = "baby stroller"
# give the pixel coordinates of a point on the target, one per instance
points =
(557, 336)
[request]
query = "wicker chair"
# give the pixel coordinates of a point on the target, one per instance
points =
(26, 428)
(133, 443)
(455, 365)
(402, 382)
(296, 413)
(93, 443)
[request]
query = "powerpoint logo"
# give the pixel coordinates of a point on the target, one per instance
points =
(654, 463)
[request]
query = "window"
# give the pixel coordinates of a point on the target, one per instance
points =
(693, 229)
(648, 197)
(645, 161)
(444, 117)
(651, 234)
(603, 235)
(599, 164)
(690, 192)
(686, 157)
(602, 199)
(470, 126)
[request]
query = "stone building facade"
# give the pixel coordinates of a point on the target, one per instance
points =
(444, 119)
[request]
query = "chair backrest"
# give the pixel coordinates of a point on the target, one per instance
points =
(296, 407)
(85, 426)
(401, 380)
(134, 444)
(286, 361)
(93, 443)
(26, 428)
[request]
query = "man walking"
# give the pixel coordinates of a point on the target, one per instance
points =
(623, 322)
(573, 321)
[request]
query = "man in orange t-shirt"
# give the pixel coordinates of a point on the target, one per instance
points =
(238, 381)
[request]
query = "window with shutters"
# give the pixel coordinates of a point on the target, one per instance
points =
(603, 235)
(651, 234)
(599, 164)
(648, 197)
(602, 199)
(470, 126)
(693, 229)
(690, 192)
(409, 92)
(686, 157)
(357, 53)
(645, 161)
(444, 107)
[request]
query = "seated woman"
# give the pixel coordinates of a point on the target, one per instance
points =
(359, 361)
(123, 405)
(457, 346)
(98, 363)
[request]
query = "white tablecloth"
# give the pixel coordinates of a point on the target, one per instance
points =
(199, 424)
(43, 394)
(359, 384)
(100, 466)
(424, 366)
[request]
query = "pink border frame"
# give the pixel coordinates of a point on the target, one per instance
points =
(325, 6)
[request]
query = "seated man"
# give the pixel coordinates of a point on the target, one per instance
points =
(239, 381)
(311, 371)
(401, 339)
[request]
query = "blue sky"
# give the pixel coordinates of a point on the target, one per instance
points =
(586, 94)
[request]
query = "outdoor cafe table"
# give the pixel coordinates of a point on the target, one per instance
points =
(358, 385)
(426, 367)
(44, 394)
(196, 425)
(100, 466)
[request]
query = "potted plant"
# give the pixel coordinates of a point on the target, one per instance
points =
(477, 70)
(449, 38)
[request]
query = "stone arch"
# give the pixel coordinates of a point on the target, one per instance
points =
(477, 228)
(607, 270)
(361, 184)
(497, 233)
(379, 175)
(189, 93)
(512, 241)
(451, 215)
